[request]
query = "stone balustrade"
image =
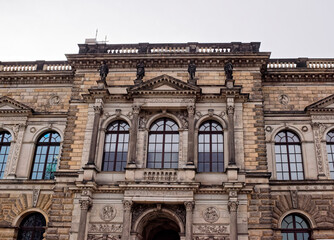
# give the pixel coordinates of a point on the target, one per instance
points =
(34, 66)
(300, 63)
(320, 64)
(282, 64)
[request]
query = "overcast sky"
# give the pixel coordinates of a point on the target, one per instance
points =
(47, 30)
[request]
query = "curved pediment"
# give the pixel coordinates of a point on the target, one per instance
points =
(164, 85)
(323, 105)
(11, 106)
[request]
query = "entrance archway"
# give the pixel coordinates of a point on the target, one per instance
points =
(160, 224)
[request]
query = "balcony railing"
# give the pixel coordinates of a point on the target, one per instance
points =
(300, 63)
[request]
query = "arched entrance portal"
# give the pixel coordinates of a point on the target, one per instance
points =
(160, 224)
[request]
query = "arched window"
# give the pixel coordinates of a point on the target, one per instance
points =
(289, 160)
(330, 152)
(210, 147)
(116, 146)
(46, 156)
(32, 227)
(163, 146)
(5, 139)
(294, 227)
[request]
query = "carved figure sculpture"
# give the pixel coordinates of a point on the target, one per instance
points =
(228, 70)
(192, 70)
(104, 70)
(140, 70)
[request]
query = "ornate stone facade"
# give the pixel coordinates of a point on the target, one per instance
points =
(245, 99)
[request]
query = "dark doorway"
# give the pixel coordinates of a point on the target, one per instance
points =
(166, 235)
(161, 228)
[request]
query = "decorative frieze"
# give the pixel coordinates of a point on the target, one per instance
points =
(211, 229)
(105, 228)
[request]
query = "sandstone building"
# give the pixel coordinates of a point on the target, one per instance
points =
(240, 147)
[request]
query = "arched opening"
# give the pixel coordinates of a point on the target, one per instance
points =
(160, 224)
(161, 229)
(32, 227)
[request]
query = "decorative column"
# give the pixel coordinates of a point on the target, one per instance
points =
(191, 134)
(126, 219)
(231, 147)
(18, 130)
(85, 205)
(233, 209)
(133, 134)
(189, 220)
(98, 108)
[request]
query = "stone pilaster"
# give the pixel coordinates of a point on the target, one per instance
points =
(318, 131)
(18, 130)
(98, 108)
(85, 205)
(231, 147)
(133, 134)
(127, 205)
(189, 220)
(191, 134)
(233, 209)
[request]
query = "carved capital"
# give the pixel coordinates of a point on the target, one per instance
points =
(136, 109)
(191, 110)
(127, 204)
(189, 205)
(230, 110)
(233, 206)
(85, 204)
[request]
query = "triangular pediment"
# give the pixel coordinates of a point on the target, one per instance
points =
(164, 84)
(10, 106)
(323, 105)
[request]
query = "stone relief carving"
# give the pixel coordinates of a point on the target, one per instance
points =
(283, 99)
(211, 214)
(233, 206)
(211, 238)
(183, 116)
(294, 198)
(105, 228)
(18, 130)
(102, 237)
(319, 129)
(35, 196)
(108, 213)
(85, 204)
(212, 229)
(54, 100)
(118, 112)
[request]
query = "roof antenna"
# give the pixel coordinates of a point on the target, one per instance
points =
(96, 33)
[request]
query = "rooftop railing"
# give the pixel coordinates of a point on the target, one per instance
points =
(300, 63)
(34, 66)
(93, 47)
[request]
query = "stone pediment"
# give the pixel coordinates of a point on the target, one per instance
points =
(11, 106)
(323, 105)
(164, 85)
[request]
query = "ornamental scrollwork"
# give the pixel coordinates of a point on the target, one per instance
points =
(211, 214)
(105, 228)
(212, 229)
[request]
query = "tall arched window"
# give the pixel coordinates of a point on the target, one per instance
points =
(116, 146)
(289, 160)
(294, 227)
(163, 145)
(32, 227)
(46, 156)
(5, 139)
(330, 152)
(210, 147)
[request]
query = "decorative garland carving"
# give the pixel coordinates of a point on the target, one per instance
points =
(319, 129)
(105, 228)
(212, 229)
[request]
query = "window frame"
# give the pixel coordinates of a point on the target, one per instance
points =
(33, 228)
(48, 144)
(287, 144)
(7, 145)
(296, 230)
(331, 145)
(118, 132)
(210, 133)
(163, 133)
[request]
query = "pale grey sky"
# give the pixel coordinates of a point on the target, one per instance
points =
(47, 30)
